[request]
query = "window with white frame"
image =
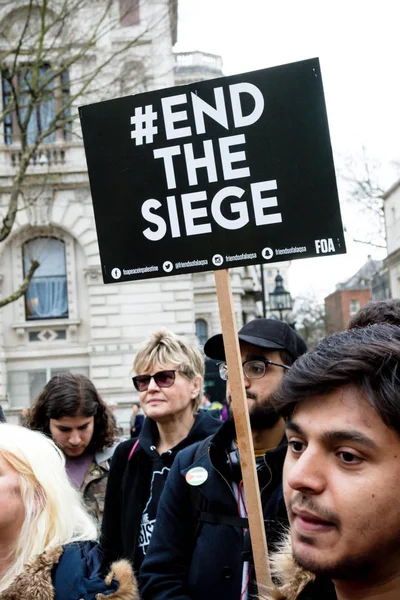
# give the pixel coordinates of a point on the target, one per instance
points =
(354, 306)
(47, 295)
(129, 12)
(24, 386)
(20, 90)
(201, 331)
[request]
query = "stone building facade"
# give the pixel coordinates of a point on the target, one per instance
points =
(68, 319)
(196, 66)
(392, 225)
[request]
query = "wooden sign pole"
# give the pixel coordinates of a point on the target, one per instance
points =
(243, 431)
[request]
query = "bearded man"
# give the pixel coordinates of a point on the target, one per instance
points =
(201, 547)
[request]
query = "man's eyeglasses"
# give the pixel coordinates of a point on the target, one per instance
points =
(253, 369)
(163, 379)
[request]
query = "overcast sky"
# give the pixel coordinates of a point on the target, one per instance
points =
(357, 42)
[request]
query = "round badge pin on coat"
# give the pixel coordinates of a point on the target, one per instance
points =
(196, 476)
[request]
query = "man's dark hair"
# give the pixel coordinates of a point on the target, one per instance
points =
(380, 311)
(368, 358)
(70, 395)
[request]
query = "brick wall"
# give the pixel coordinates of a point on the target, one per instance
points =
(337, 307)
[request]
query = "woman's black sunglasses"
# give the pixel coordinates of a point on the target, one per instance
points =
(163, 379)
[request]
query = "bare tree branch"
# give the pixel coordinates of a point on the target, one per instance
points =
(367, 242)
(23, 287)
(309, 316)
(38, 46)
(361, 176)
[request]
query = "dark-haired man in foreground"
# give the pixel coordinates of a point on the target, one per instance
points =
(342, 471)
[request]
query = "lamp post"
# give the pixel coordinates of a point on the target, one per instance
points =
(264, 305)
(280, 299)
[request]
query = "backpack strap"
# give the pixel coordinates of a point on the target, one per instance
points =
(274, 527)
(213, 519)
(197, 500)
(135, 445)
(202, 448)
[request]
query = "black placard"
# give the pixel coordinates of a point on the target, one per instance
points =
(212, 175)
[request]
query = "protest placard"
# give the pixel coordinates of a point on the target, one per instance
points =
(213, 175)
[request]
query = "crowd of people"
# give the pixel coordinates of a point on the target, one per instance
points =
(162, 515)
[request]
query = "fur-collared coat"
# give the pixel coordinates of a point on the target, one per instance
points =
(39, 579)
(292, 581)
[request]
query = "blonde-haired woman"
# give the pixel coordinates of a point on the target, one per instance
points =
(46, 536)
(169, 379)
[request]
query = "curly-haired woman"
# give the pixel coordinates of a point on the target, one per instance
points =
(70, 411)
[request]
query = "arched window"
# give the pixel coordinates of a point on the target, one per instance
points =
(201, 331)
(46, 297)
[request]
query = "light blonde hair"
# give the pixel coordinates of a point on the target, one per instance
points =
(164, 348)
(54, 512)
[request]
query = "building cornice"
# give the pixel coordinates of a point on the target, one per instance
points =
(391, 190)
(392, 259)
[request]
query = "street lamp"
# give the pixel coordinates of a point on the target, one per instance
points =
(280, 299)
(263, 303)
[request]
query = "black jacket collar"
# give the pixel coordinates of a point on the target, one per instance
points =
(204, 425)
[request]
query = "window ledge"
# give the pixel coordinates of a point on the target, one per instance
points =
(71, 325)
(46, 323)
